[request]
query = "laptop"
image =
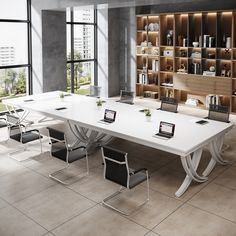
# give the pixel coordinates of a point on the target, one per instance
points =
(166, 130)
(109, 116)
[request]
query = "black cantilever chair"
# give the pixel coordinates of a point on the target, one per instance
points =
(126, 97)
(18, 132)
(3, 122)
(116, 169)
(169, 104)
(219, 113)
(60, 148)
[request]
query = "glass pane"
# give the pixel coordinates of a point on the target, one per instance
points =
(68, 15)
(13, 83)
(68, 77)
(13, 44)
(83, 42)
(84, 76)
(68, 42)
(13, 9)
(83, 15)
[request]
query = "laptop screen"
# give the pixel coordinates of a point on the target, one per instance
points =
(109, 115)
(167, 128)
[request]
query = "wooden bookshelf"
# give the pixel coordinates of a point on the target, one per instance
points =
(175, 60)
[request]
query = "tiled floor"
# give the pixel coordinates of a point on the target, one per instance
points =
(33, 204)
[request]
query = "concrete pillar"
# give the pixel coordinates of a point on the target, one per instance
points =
(54, 50)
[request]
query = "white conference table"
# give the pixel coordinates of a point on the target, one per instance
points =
(188, 141)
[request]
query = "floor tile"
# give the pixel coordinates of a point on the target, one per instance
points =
(8, 165)
(151, 234)
(14, 223)
(189, 220)
(94, 186)
(218, 200)
(227, 178)
(15, 187)
(154, 211)
(100, 221)
(3, 204)
(54, 206)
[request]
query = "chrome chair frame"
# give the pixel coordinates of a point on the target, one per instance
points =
(69, 148)
(130, 173)
(14, 123)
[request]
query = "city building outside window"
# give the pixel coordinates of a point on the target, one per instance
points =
(81, 49)
(15, 49)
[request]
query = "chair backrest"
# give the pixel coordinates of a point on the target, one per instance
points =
(169, 104)
(59, 146)
(115, 166)
(13, 124)
(94, 91)
(126, 96)
(218, 112)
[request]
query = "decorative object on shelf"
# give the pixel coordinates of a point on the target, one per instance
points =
(156, 26)
(148, 114)
(169, 38)
(146, 27)
(225, 72)
(211, 42)
(209, 73)
(211, 55)
(196, 55)
(195, 44)
(168, 53)
(212, 99)
(228, 42)
(182, 69)
(155, 65)
(185, 42)
(212, 69)
(196, 68)
(182, 53)
(155, 51)
(192, 102)
(223, 41)
(145, 43)
(143, 50)
(206, 40)
(157, 41)
(169, 67)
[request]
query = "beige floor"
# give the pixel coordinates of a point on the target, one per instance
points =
(33, 204)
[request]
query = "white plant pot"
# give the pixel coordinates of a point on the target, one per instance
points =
(148, 118)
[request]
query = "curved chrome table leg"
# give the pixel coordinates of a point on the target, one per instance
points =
(190, 165)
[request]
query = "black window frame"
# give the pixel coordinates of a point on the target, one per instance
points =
(29, 44)
(72, 61)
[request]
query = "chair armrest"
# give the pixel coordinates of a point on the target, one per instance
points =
(138, 170)
(32, 130)
(1, 118)
(76, 148)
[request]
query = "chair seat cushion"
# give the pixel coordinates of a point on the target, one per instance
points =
(3, 124)
(137, 179)
(73, 155)
(26, 137)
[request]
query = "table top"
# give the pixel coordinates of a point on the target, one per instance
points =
(130, 124)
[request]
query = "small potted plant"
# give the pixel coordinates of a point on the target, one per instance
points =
(148, 114)
(61, 95)
(99, 103)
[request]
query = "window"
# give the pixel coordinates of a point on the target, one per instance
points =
(81, 49)
(15, 49)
